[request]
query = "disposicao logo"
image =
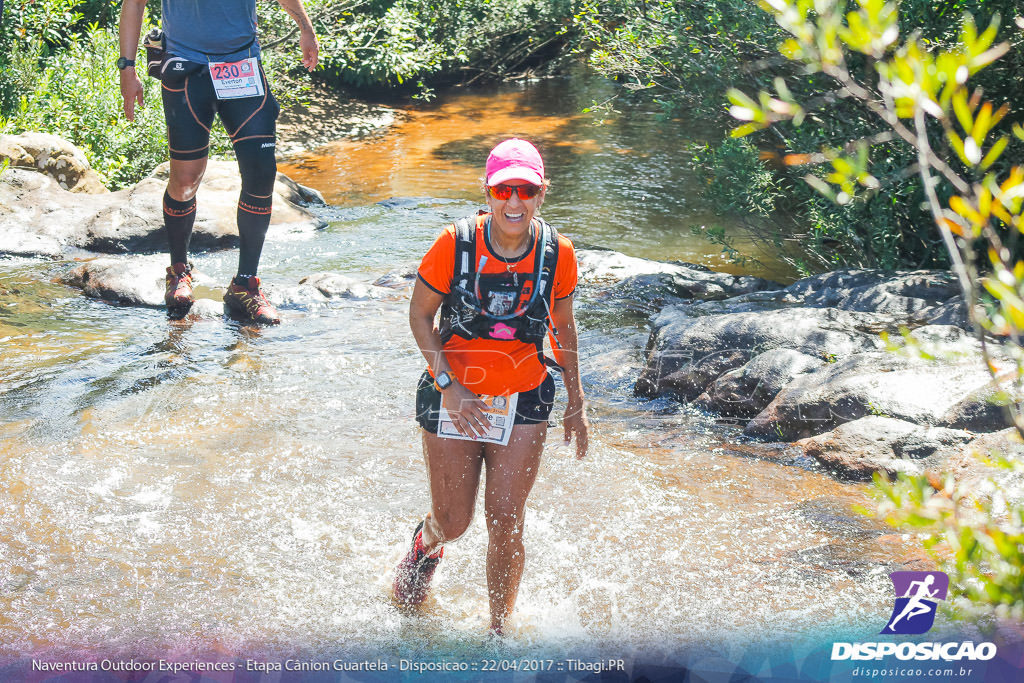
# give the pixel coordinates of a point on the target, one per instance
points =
(917, 598)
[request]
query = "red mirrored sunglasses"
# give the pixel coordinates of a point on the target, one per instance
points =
(504, 192)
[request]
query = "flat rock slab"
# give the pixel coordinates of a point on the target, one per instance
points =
(882, 444)
(40, 218)
(625, 276)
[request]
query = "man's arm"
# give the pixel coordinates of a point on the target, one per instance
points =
(128, 31)
(307, 39)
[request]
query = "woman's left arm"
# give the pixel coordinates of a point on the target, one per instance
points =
(575, 420)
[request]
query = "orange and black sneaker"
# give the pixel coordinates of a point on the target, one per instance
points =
(178, 289)
(250, 303)
(412, 580)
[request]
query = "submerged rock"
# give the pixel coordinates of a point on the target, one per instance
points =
(128, 281)
(139, 281)
(333, 286)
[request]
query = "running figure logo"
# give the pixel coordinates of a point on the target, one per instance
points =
(917, 596)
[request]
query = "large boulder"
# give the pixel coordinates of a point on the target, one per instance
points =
(893, 384)
(687, 352)
(38, 217)
(746, 391)
(915, 296)
(883, 444)
(54, 156)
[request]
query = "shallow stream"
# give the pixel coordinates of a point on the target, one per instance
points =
(204, 489)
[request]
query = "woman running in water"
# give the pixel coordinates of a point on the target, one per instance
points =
(504, 281)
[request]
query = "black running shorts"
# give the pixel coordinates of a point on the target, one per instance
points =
(190, 105)
(533, 406)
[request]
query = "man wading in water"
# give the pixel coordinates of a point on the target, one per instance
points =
(212, 66)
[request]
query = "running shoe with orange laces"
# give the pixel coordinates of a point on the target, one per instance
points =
(249, 303)
(412, 580)
(178, 289)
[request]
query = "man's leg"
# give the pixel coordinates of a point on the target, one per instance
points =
(251, 123)
(189, 111)
(180, 205)
(258, 168)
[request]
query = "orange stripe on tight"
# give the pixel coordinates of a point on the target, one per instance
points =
(257, 210)
(189, 103)
(266, 91)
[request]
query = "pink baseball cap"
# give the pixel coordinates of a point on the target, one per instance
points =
(514, 159)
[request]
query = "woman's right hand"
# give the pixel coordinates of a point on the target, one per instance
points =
(465, 409)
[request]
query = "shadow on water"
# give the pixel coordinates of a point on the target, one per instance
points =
(200, 489)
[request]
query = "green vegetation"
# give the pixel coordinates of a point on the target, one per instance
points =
(408, 45)
(685, 55)
(975, 532)
(76, 95)
(925, 97)
(57, 56)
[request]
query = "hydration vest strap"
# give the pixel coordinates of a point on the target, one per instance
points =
(465, 253)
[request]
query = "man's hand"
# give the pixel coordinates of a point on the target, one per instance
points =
(575, 423)
(310, 50)
(131, 91)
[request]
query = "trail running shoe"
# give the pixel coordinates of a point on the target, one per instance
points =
(412, 580)
(178, 289)
(250, 303)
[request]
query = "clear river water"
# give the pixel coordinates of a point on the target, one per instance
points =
(202, 489)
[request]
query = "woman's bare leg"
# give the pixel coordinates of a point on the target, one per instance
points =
(453, 468)
(511, 471)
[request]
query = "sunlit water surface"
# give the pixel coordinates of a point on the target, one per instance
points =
(199, 488)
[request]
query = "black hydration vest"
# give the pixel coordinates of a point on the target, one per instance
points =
(501, 306)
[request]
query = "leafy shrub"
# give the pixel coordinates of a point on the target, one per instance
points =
(976, 535)
(925, 97)
(78, 97)
(404, 44)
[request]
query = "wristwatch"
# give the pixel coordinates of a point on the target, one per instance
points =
(443, 380)
(123, 63)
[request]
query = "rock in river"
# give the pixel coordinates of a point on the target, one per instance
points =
(38, 217)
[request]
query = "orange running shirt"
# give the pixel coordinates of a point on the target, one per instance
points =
(494, 366)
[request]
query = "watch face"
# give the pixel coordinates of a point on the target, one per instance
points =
(123, 63)
(444, 380)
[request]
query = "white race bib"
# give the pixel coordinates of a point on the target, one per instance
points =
(234, 80)
(500, 413)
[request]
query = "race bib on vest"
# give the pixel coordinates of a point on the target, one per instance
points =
(235, 80)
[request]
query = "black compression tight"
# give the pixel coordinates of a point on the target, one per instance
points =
(258, 168)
